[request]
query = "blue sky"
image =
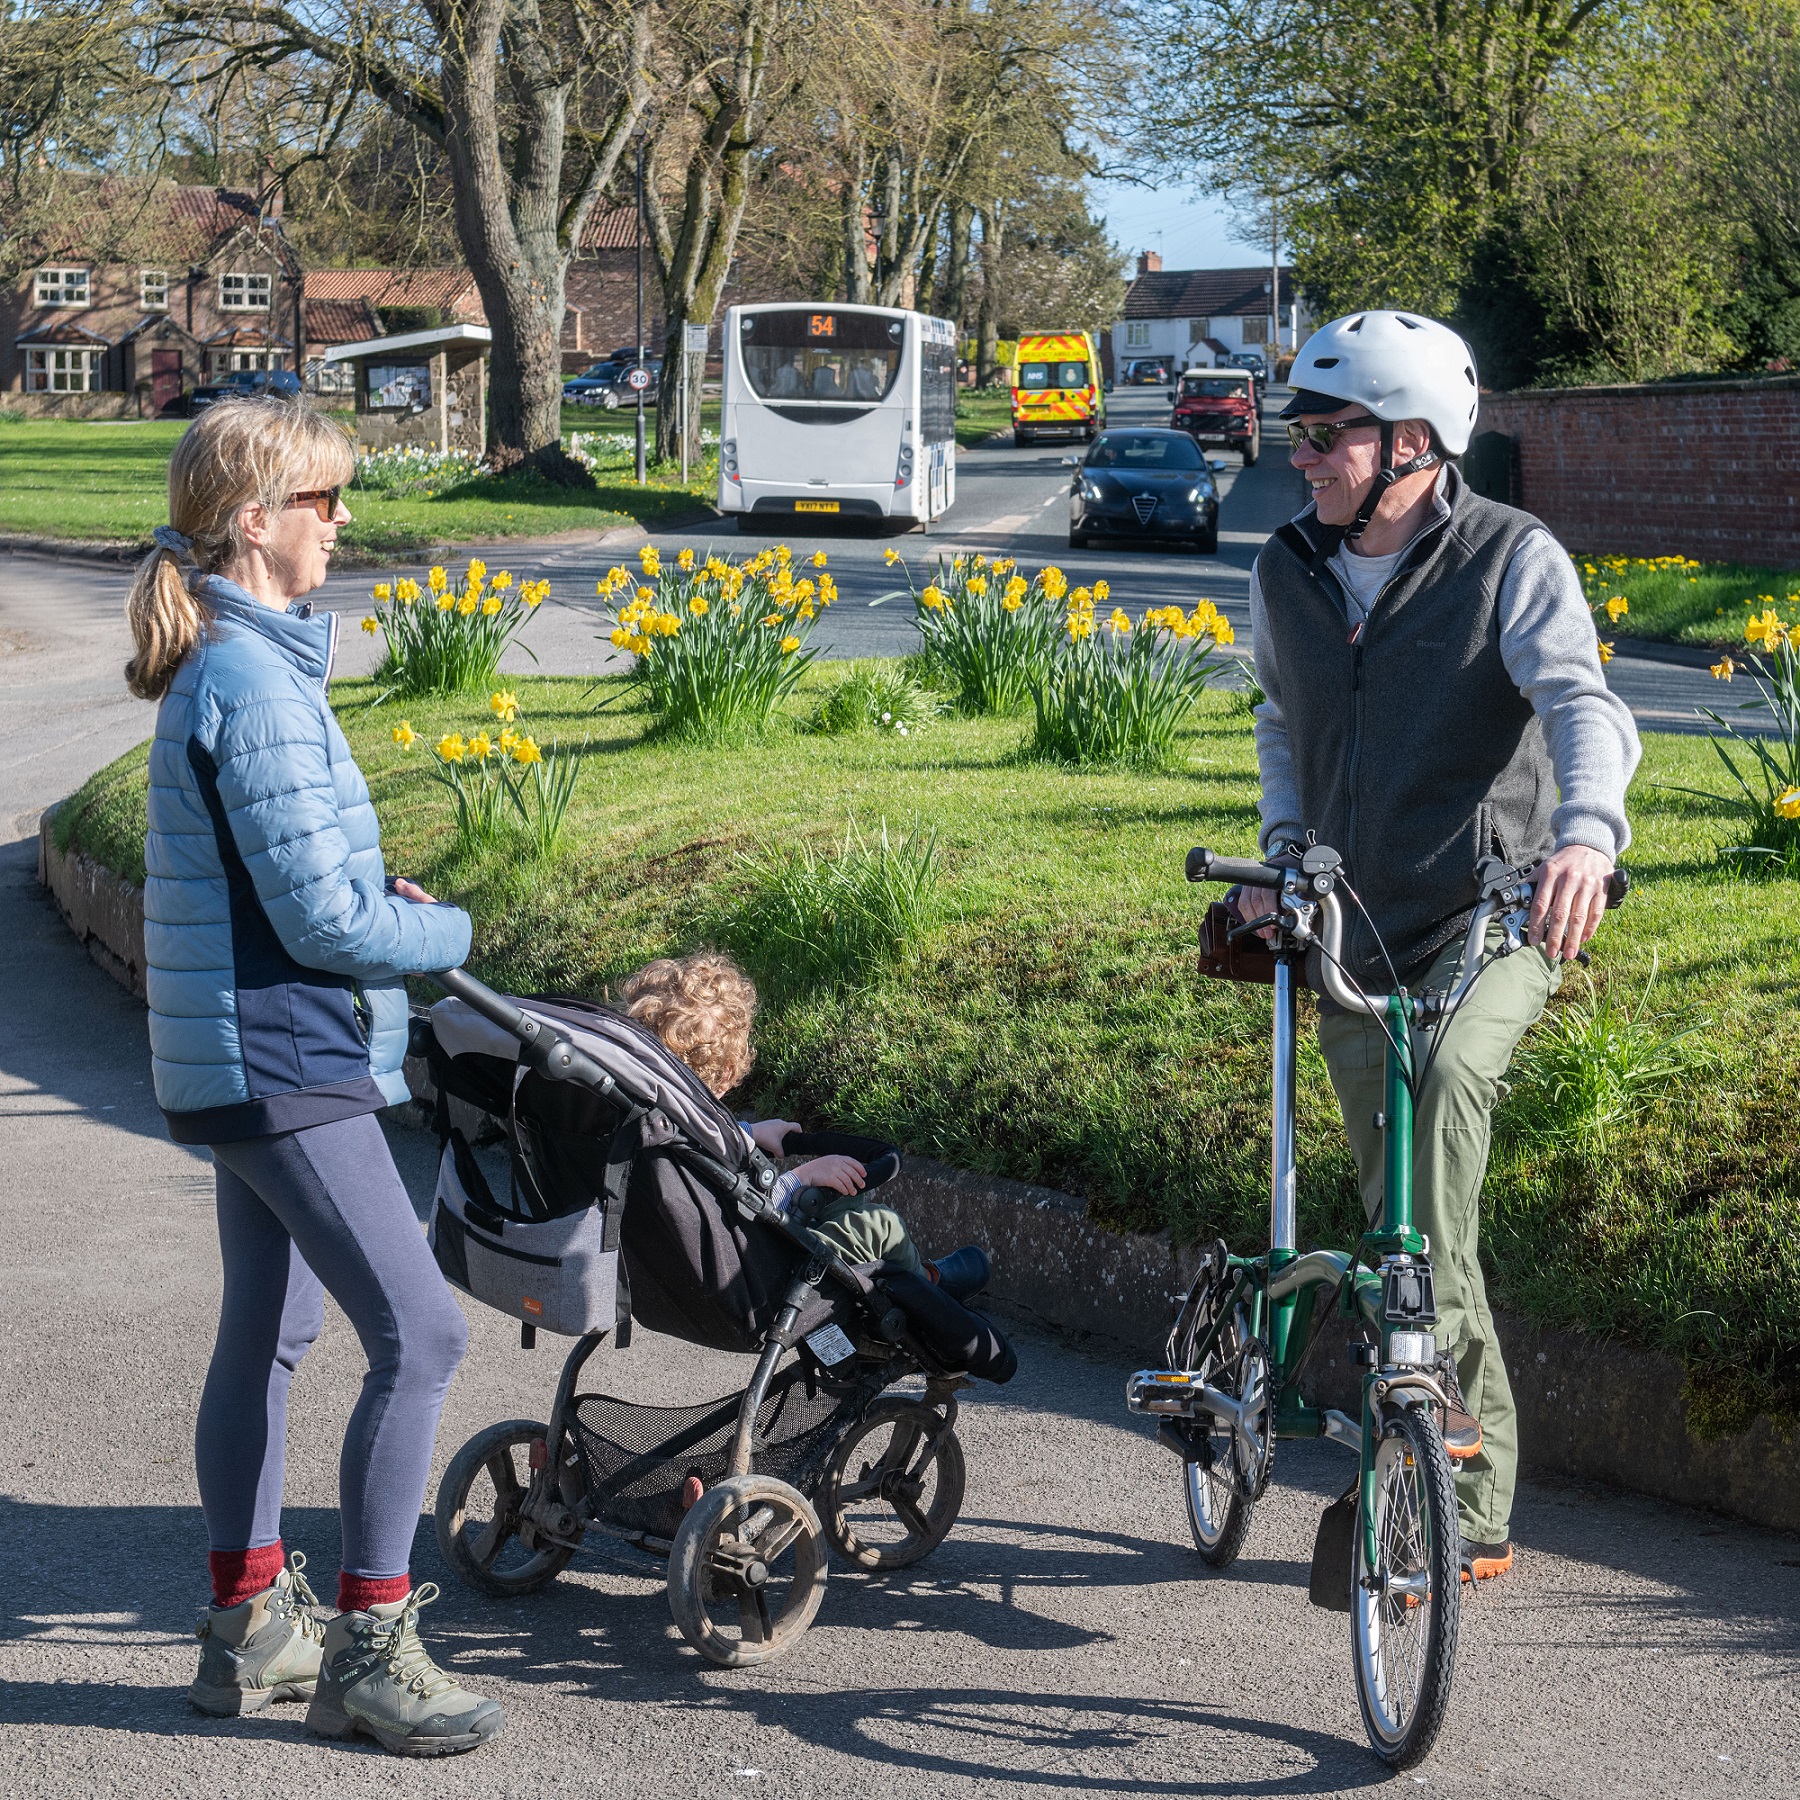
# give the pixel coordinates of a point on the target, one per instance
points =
(1191, 229)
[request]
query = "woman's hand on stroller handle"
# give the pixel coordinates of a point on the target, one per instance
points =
(541, 1046)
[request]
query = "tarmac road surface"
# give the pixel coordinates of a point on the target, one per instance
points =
(1064, 1639)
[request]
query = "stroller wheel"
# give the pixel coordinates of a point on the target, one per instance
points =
(481, 1528)
(747, 1570)
(894, 1486)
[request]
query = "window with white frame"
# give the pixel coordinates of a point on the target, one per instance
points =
(61, 287)
(153, 290)
(1137, 334)
(244, 293)
(226, 362)
(1199, 329)
(61, 371)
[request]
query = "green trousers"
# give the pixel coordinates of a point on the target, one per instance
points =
(1451, 1135)
(862, 1231)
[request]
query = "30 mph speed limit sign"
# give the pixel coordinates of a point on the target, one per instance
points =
(638, 378)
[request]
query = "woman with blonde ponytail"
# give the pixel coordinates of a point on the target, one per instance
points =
(277, 951)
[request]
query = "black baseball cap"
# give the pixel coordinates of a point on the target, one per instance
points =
(1310, 400)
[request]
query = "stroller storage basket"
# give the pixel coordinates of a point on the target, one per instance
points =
(640, 1457)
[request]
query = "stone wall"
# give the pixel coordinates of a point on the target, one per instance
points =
(1707, 469)
(77, 406)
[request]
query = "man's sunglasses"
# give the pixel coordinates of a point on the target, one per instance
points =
(1322, 437)
(323, 501)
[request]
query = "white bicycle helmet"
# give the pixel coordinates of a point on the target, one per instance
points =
(1396, 366)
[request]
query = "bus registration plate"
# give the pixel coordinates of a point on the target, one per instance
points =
(815, 506)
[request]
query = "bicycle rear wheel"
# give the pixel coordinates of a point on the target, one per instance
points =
(1404, 1612)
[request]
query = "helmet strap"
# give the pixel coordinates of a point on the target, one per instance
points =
(1385, 479)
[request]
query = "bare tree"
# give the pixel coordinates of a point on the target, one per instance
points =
(533, 104)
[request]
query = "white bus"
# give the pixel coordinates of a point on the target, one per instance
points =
(846, 411)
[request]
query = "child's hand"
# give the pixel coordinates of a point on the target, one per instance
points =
(770, 1134)
(843, 1174)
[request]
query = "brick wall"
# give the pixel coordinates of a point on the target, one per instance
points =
(1704, 469)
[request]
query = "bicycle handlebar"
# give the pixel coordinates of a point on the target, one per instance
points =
(1204, 865)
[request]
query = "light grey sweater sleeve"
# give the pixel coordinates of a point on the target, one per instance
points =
(1550, 649)
(1279, 802)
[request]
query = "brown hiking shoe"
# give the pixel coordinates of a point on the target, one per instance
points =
(1482, 1562)
(1462, 1430)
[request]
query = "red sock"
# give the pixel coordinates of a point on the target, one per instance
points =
(357, 1593)
(237, 1574)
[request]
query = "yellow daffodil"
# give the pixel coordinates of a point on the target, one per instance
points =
(1014, 596)
(466, 605)
(667, 624)
(789, 645)
(438, 580)
(452, 748)
(1222, 632)
(684, 561)
(1765, 630)
(698, 607)
(1102, 593)
(1606, 651)
(1119, 622)
(827, 590)
(783, 554)
(501, 582)
(980, 562)
(481, 746)
(773, 618)
(932, 598)
(445, 600)
(477, 570)
(407, 589)
(1724, 669)
(819, 559)
(1616, 607)
(649, 561)
(1787, 803)
(371, 625)
(504, 705)
(976, 585)
(1004, 566)
(404, 735)
(620, 637)
(491, 605)
(535, 593)
(1054, 583)
(890, 556)
(526, 752)
(383, 593)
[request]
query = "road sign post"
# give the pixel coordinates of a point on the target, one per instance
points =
(693, 342)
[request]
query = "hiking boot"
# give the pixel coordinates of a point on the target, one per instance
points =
(963, 1273)
(1482, 1562)
(266, 1648)
(380, 1680)
(1462, 1430)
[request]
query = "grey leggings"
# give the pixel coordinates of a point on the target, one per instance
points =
(299, 1213)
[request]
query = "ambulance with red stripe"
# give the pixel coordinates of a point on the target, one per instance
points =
(1057, 389)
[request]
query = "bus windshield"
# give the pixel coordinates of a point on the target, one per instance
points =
(815, 353)
(1041, 376)
(1144, 450)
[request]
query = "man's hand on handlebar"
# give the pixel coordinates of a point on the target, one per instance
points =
(1253, 903)
(1570, 900)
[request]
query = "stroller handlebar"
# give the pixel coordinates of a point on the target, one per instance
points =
(541, 1046)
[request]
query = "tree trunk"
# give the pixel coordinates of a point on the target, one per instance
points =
(951, 298)
(856, 234)
(987, 359)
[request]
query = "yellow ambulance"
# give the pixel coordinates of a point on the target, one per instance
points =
(1057, 388)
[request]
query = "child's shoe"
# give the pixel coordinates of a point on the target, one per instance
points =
(380, 1680)
(963, 1273)
(266, 1648)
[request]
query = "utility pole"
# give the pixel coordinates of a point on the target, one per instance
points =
(1274, 284)
(639, 363)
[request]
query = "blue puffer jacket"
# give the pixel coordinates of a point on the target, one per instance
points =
(274, 951)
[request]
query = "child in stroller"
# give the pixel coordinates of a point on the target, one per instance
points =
(633, 1192)
(703, 1007)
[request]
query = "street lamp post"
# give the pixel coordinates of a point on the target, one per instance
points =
(638, 363)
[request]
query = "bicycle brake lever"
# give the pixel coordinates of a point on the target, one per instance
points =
(1250, 926)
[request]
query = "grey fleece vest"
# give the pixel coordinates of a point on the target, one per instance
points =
(1414, 753)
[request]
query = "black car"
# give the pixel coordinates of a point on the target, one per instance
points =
(243, 383)
(1145, 483)
(605, 384)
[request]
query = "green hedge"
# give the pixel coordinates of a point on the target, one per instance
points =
(1050, 1026)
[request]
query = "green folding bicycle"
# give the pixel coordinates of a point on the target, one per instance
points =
(1389, 1551)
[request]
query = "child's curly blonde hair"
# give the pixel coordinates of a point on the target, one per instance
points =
(702, 1006)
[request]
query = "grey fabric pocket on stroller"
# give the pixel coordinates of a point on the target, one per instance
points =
(557, 1274)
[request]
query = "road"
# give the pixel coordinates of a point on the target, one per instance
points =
(1063, 1639)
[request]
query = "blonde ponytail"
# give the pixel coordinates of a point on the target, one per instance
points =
(237, 454)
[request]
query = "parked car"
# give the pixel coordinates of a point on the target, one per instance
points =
(1219, 406)
(605, 384)
(241, 383)
(1251, 360)
(1145, 484)
(1146, 371)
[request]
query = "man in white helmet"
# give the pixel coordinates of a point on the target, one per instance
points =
(1434, 697)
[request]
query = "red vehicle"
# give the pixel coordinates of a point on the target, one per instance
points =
(1218, 406)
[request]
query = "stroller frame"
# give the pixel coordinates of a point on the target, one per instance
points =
(743, 1494)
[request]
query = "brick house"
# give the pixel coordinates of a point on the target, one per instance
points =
(155, 288)
(1191, 317)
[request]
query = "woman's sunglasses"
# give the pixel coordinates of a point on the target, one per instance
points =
(323, 501)
(1322, 437)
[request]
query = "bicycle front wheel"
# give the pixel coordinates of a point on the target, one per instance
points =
(1405, 1610)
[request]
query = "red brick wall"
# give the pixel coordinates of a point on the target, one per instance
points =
(1703, 469)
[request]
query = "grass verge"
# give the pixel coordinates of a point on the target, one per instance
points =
(78, 478)
(980, 414)
(1677, 602)
(1045, 1022)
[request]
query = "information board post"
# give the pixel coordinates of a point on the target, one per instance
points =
(693, 343)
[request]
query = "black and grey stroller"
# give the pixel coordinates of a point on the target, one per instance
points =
(634, 1193)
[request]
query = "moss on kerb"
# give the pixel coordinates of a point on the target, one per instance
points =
(1048, 1026)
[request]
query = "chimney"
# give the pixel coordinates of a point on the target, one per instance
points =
(1149, 262)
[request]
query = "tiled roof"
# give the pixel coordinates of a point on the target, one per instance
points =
(338, 321)
(611, 228)
(1203, 293)
(127, 219)
(454, 288)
